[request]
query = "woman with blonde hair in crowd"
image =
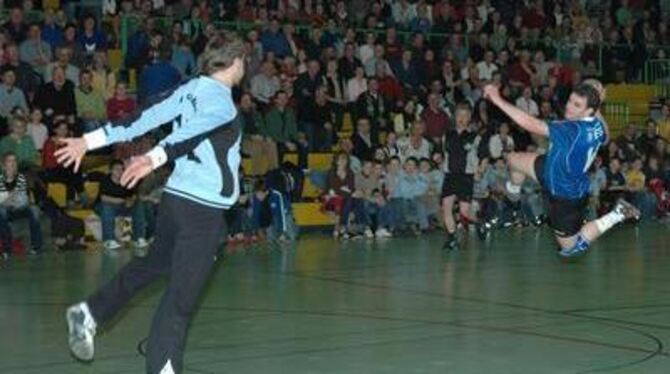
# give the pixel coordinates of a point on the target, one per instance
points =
(261, 149)
(103, 78)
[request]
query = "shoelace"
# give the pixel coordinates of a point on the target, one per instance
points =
(86, 325)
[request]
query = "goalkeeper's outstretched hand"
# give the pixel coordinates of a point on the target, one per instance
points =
(138, 168)
(71, 152)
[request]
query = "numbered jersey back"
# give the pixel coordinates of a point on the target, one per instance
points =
(573, 147)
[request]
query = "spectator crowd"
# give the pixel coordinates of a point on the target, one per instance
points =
(389, 87)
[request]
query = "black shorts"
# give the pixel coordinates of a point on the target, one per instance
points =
(461, 185)
(566, 216)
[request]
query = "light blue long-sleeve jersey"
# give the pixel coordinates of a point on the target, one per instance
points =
(204, 141)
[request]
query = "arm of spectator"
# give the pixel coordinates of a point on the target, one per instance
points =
(528, 122)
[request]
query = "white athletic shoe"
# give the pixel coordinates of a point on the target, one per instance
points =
(112, 245)
(626, 209)
(81, 330)
(369, 234)
(167, 369)
(383, 233)
(141, 243)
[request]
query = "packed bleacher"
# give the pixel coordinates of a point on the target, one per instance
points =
(346, 108)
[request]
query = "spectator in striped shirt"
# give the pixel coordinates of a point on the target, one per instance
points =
(15, 204)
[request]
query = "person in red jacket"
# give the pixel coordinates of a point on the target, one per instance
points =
(120, 105)
(55, 173)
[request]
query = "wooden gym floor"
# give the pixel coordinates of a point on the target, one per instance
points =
(396, 306)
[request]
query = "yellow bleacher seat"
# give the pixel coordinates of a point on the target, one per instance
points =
(347, 122)
(344, 134)
(246, 164)
(291, 157)
(51, 4)
(310, 214)
(115, 59)
(57, 192)
(320, 161)
(132, 80)
(309, 190)
(94, 161)
(637, 96)
(92, 190)
(104, 168)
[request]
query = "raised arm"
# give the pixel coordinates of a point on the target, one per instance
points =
(165, 110)
(523, 119)
(162, 109)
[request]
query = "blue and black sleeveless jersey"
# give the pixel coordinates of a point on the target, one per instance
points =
(573, 147)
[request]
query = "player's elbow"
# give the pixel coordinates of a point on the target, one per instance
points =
(537, 126)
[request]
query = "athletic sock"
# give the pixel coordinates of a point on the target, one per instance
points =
(582, 244)
(609, 220)
(578, 249)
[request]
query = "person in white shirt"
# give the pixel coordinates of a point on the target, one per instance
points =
(356, 85)
(63, 58)
(265, 85)
(501, 143)
(487, 67)
(403, 12)
(37, 130)
(371, 65)
(541, 67)
(415, 144)
(367, 50)
(526, 103)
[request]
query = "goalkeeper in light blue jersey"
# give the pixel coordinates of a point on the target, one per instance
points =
(204, 144)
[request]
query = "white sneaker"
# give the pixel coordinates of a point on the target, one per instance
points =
(383, 233)
(167, 369)
(369, 234)
(141, 243)
(112, 244)
(81, 330)
(626, 209)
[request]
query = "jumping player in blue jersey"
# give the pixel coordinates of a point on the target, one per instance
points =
(563, 171)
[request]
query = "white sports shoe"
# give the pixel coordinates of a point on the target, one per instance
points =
(369, 234)
(167, 369)
(141, 243)
(112, 245)
(626, 209)
(383, 233)
(81, 330)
